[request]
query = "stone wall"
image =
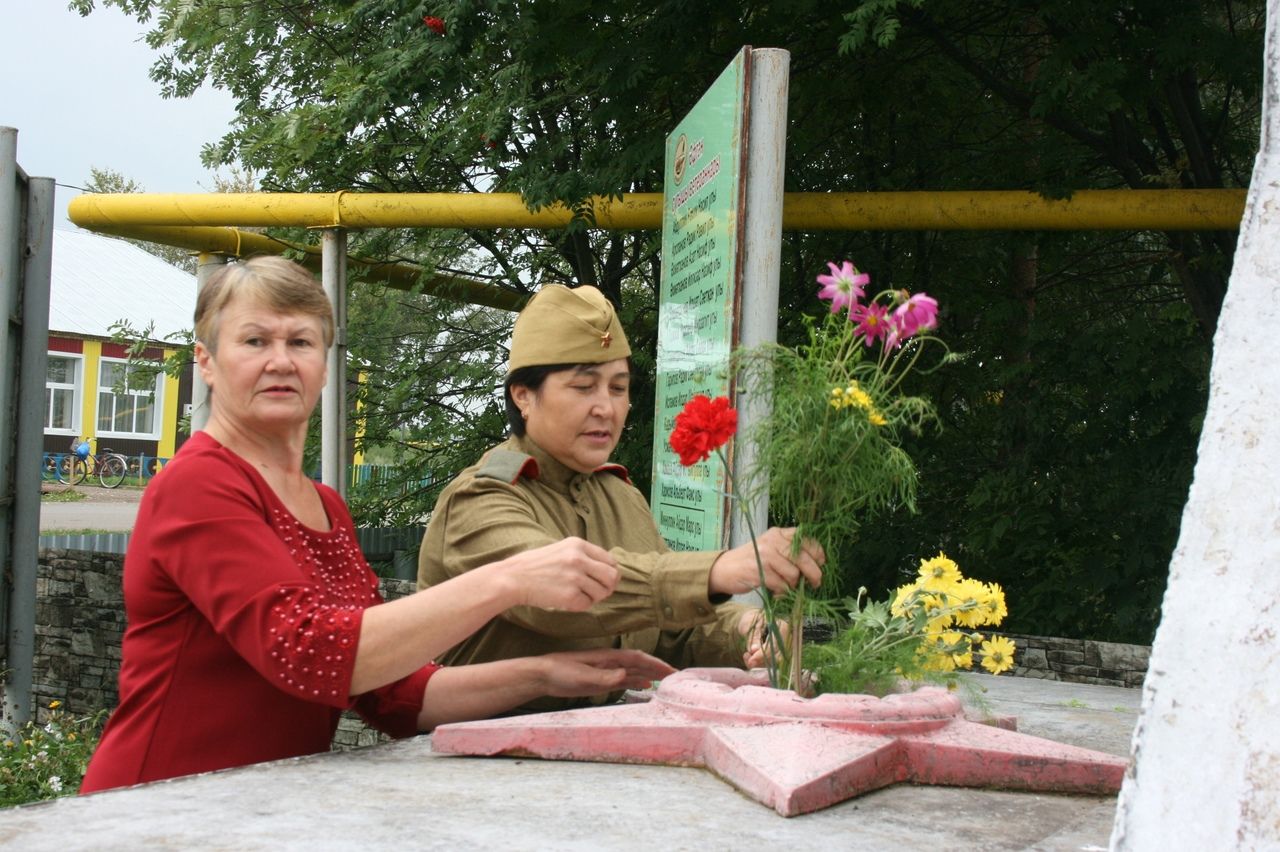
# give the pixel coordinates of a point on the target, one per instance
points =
(1080, 660)
(80, 622)
(79, 625)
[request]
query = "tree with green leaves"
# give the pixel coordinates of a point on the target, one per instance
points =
(112, 181)
(1070, 422)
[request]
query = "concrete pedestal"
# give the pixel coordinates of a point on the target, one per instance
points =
(793, 754)
(404, 796)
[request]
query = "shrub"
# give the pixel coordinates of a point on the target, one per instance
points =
(47, 761)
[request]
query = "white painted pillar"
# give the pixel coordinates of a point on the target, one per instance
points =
(1206, 752)
(206, 265)
(762, 254)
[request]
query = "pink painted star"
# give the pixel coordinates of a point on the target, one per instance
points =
(794, 754)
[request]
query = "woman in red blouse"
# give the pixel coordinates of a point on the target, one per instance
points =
(253, 618)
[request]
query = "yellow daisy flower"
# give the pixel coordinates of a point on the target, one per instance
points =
(902, 599)
(939, 571)
(997, 654)
(971, 594)
(936, 661)
(993, 604)
(859, 397)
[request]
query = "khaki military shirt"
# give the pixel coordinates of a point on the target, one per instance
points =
(516, 498)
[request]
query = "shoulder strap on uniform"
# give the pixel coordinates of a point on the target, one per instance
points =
(617, 470)
(508, 466)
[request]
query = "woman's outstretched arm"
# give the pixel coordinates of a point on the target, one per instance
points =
(400, 637)
(462, 693)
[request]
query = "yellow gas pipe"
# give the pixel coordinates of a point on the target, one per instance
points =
(189, 221)
(1122, 209)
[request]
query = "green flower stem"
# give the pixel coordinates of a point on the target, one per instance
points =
(797, 638)
(773, 637)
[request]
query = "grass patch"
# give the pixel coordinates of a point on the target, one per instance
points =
(67, 495)
(82, 532)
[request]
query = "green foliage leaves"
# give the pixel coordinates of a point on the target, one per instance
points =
(1068, 441)
(867, 655)
(427, 396)
(831, 467)
(1070, 424)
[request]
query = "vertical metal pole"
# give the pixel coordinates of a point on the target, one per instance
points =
(10, 281)
(32, 373)
(333, 404)
(762, 258)
(206, 265)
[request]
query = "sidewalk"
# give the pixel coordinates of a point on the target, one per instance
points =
(110, 509)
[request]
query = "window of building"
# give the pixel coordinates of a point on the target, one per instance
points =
(127, 396)
(61, 389)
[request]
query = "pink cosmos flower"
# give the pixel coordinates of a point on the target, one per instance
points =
(872, 320)
(894, 337)
(919, 311)
(843, 286)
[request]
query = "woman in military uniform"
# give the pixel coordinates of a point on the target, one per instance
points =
(567, 397)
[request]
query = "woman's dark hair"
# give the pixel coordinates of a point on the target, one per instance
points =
(532, 378)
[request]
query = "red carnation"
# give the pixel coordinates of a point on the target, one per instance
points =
(704, 425)
(436, 25)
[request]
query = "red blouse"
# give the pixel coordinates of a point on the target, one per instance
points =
(242, 628)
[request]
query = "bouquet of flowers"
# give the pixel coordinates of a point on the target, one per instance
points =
(829, 455)
(922, 633)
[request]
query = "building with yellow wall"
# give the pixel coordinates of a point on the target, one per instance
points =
(91, 389)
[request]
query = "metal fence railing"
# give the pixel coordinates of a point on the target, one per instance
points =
(140, 468)
(379, 544)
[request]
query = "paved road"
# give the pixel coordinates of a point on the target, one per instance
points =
(113, 510)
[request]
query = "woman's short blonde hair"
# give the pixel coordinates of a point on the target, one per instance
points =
(274, 282)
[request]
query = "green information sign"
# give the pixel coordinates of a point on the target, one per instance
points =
(701, 222)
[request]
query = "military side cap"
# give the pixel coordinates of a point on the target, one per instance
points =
(563, 325)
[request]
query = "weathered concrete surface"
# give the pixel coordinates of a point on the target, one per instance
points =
(793, 754)
(403, 796)
(1206, 770)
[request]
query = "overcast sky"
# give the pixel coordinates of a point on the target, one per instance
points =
(78, 92)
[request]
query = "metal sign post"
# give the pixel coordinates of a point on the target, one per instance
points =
(721, 240)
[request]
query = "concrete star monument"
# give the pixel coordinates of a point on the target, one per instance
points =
(793, 754)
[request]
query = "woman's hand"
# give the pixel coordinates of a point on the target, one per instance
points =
(736, 572)
(570, 574)
(460, 693)
(399, 637)
(570, 674)
(754, 630)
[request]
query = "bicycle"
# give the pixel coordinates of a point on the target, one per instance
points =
(110, 467)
